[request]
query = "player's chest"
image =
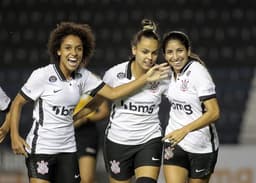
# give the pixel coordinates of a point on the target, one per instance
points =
(62, 92)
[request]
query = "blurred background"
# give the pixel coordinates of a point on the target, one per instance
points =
(223, 33)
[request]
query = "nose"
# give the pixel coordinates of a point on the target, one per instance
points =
(150, 56)
(73, 51)
(175, 56)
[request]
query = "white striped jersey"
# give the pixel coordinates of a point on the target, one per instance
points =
(134, 119)
(4, 100)
(186, 94)
(54, 99)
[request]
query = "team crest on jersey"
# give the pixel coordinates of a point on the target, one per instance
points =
(115, 166)
(120, 75)
(184, 85)
(42, 167)
(154, 86)
(168, 153)
(52, 79)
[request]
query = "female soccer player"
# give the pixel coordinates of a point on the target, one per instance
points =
(133, 137)
(55, 89)
(191, 148)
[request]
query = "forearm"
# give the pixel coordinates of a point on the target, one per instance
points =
(15, 114)
(6, 124)
(123, 90)
(206, 119)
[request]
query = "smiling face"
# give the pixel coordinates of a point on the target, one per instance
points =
(145, 52)
(71, 54)
(176, 54)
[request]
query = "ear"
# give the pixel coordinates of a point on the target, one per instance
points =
(134, 50)
(58, 52)
(189, 52)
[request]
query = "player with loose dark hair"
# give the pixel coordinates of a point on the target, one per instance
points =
(191, 140)
(50, 147)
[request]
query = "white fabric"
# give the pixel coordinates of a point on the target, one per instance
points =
(184, 94)
(134, 119)
(55, 98)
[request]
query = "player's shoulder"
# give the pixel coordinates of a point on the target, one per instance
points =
(197, 65)
(43, 72)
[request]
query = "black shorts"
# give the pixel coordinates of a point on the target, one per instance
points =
(87, 140)
(198, 165)
(58, 168)
(122, 160)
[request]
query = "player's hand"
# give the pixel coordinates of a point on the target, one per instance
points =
(19, 145)
(176, 136)
(158, 72)
(82, 117)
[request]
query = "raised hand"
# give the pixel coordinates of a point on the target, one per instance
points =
(158, 72)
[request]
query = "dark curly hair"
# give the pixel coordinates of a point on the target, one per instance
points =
(83, 31)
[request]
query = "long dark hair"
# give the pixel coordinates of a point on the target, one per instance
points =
(185, 41)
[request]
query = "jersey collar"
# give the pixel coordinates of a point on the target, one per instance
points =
(60, 73)
(183, 70)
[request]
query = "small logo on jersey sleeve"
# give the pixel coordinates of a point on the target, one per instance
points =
(52, 79)
(120, 75)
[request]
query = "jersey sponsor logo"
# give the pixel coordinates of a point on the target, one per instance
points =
(140, 108)
(62, 110)
(42, 167)
(115, 166)
(52, 79)
(182, 107)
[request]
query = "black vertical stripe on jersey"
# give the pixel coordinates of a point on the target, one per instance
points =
(41, 112)
(34, 141)
(113, 111)
(129, 70)
(212, 138)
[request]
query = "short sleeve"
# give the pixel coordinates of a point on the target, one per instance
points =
(203, 82)
(93, 84)
(34, 86)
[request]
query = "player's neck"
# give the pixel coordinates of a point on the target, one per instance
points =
(136, 70)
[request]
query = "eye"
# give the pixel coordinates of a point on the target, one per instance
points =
(79, 48)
